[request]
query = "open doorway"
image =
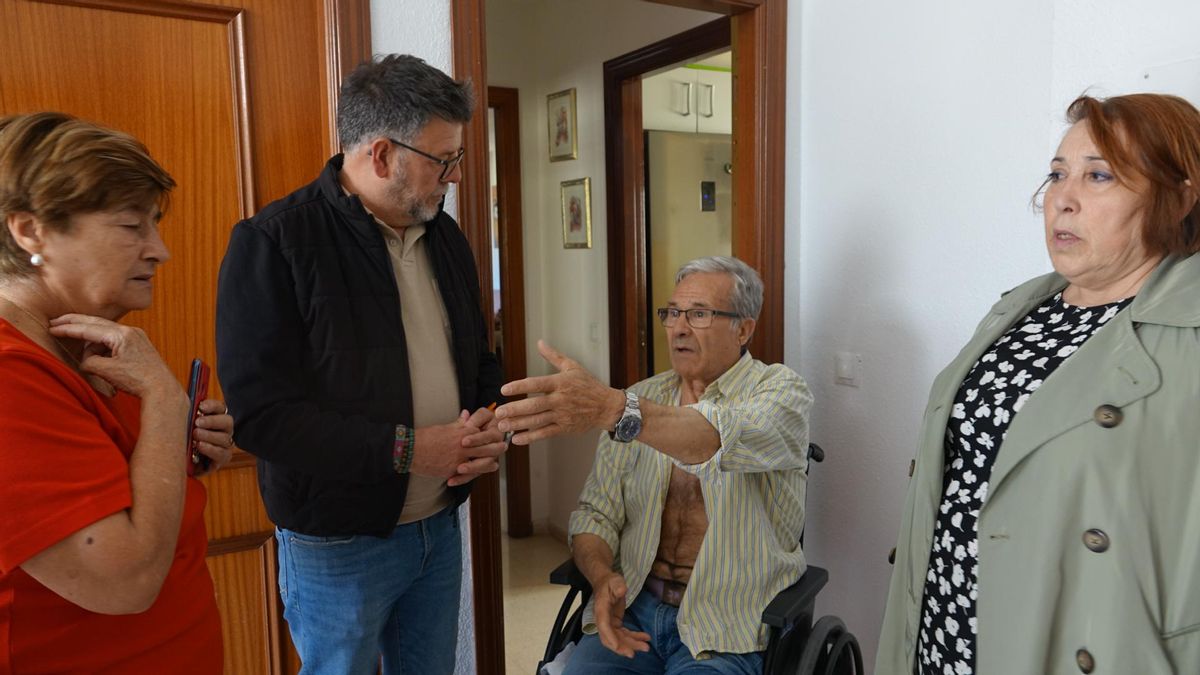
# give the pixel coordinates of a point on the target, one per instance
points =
(570, 301)
(687, 117)
(756, 31)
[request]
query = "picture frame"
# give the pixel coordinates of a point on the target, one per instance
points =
(561, 125)
(576, 198)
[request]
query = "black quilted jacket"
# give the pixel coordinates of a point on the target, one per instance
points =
(312, 358)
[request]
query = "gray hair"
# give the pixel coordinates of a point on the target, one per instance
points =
(396, 95)
(747, 285)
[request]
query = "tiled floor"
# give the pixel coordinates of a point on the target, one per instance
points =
(530, 601)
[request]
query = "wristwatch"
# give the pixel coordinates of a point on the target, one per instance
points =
(630, 424)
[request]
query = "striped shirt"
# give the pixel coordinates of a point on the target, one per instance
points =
(753, 490)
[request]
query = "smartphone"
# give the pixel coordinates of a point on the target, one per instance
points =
(197, 392)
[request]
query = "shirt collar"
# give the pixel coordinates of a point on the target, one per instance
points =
(411, 234)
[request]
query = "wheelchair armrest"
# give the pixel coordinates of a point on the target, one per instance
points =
(796, 600)
(567, 574)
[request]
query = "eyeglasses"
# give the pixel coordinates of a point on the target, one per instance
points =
(447, 164)
(696, 318)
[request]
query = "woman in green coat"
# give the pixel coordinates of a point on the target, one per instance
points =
(1053, 520)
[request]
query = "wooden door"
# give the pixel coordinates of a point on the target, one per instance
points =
(235, 98)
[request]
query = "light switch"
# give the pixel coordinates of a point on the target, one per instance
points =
(594, 331)
(847, 368)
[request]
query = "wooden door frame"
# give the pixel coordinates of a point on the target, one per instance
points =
(503, 101)
(474, 210)
(757, 31)
(625, 166)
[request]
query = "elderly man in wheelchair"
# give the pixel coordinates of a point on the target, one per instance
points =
(691, 519)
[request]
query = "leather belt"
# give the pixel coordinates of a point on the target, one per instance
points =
(667, 592)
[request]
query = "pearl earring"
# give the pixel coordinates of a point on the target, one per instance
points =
(37, 260)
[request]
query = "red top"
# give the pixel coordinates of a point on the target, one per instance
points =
(64, 464)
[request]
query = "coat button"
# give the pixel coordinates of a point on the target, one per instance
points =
(1108, 416)
(1085, 661)
(1096, 540)
(892, 556)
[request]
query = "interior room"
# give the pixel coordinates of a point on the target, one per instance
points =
(894, 115)
(911, 137)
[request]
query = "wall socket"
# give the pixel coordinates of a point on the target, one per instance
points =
(847, 369)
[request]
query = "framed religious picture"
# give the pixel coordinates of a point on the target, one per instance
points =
(577, 213)
(564, 132)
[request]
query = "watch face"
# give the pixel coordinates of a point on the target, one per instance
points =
(628, 428)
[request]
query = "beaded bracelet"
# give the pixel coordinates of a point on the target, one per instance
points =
(402, 450)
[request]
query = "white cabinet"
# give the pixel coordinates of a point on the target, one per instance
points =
(688, 99)
(714, 102)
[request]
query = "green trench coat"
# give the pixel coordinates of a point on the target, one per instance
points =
(1089, 539)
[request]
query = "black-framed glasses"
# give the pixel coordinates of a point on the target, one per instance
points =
(447, 164)
(699, 317)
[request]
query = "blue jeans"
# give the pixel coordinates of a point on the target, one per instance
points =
(349, 601)
(667, 655)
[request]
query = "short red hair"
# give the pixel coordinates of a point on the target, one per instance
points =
(1152, 142)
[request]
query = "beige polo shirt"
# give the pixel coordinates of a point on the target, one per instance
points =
(430, 363)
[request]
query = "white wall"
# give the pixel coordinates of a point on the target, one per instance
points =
(541, 47)
(420, 28)
(916, 135)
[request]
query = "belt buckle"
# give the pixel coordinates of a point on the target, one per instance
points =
(667, 592)
(673, 593)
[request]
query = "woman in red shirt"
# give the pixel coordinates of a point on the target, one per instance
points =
(102, 544)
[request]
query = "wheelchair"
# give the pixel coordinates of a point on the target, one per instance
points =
(796, 644)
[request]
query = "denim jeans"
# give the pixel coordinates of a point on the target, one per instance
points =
(349, 601)
(667, 655)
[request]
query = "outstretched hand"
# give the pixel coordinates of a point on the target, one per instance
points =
(573, 401)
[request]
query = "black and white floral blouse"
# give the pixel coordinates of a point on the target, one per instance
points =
(991, 394)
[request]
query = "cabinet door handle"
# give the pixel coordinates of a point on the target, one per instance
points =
(711, 99)
(687, 100)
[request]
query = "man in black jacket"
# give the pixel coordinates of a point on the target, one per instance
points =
(351, 349)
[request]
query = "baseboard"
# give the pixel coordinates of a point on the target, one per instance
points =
(556, 532)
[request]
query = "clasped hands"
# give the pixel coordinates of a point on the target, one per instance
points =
(460, 451)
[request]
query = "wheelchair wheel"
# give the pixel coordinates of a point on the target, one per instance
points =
(830, 650)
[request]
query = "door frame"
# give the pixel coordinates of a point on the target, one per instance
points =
(625, 167)
(504, 103)
(474, 209)
(758, 33)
